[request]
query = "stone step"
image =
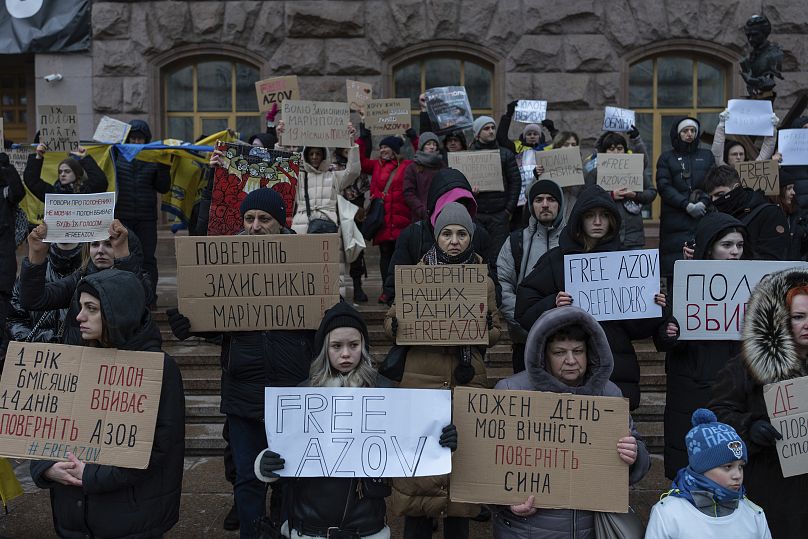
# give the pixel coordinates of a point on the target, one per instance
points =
(653, 434)
(202, 381)
(203, 409)
(652, 407)
(204, 439)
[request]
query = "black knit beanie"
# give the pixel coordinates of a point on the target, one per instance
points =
(341, 315)
(265, 199)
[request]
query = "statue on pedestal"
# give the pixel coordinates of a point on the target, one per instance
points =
(765, 61)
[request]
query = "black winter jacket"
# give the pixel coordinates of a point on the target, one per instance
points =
(94, 182)
(497, 201)
(137, 182)
(123, 502)
(537, 292)
(680, 180)
(765, 222)
(11, 193)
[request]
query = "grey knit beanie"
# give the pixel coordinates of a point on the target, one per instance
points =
(481, 122)
(454, 213)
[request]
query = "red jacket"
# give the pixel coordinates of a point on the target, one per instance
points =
(396, 211)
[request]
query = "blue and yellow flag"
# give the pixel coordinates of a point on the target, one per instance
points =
(10, 487)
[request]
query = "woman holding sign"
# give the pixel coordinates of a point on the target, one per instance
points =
(774, 349)
(93, 500)
(78, 174)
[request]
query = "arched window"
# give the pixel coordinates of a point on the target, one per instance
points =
(203, 96)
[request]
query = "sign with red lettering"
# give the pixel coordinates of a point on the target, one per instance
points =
(98, 403)
(388, 116)
(78, 218)
(276, 90)
(560, 448)
(442, 305)
(710, 296)
(787, 405)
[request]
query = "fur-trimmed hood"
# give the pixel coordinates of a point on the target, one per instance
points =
(768, 347)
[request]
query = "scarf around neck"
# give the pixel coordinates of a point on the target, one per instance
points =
(428, 160)
(688, 483)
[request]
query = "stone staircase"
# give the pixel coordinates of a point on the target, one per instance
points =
(199, 360)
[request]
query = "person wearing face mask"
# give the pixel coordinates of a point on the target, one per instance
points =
(78, 174)
(692, 367)
(731, 152)
(796, 216)
(418, 175)
(774, 348)
(766, 223)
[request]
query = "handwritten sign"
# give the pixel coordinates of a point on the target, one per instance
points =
(793, 144)
(58, 127)
(276, 90)
(530, 112)
(617, 119)
(359, 93)
(787, 406)
(442, 305)
(526, 161)
(563, 166)
(78, 218)
(618, 285)
(111, 131)
(448, 109)
(749, 117)
(710, 296)
(560, 448)
(621, 170)
(247, 283)
(19, 158)
(763, 175)
(98, 403)
(388, 116)
(483, 169)
(358, 432)
(316, 123)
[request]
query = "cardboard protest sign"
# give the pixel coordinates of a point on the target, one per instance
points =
(19, 158)
(763, 175)
(442, 305)
(359, 93)
(617, 285)
(558, 447)
(617, 119)
(749, 117)
(59, 127)
(483, 169)
(793, 144)
(710, 296)
(530, 112)
(619, 170)
(111, 131)
(247, 283)
(245, 169)
(563, 166)
(448, 109)
(78, 218)
(358, 432)
(316, 123)
(98, 403)
(787, 406)
(276, 90)
(388, 116)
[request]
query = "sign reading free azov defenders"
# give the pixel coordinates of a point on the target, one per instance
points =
(247, 283)
(443, 304)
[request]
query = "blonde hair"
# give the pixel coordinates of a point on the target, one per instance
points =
(322, 374)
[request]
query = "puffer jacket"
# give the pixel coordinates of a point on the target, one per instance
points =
(323, 187)
(396, 211)
(537, 293)
(124, 502)
(432, 367)
(680, 180)
(768, 355)
(766, 223)
(565, 523)
(94, 180)
(138, 183)
(508, 198)
(11, 193)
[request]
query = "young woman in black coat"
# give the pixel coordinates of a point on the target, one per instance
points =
(78, 174)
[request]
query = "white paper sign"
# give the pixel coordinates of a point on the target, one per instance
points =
(530, 112)
(111, 131)
(793, 144)
(527, 164)
(78, 218)
(710, 296)
(787, 406)
(358, 432)
(619, 285)
(617, 119)
(749, 117)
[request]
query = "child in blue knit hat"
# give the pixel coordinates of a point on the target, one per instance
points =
(707, 497)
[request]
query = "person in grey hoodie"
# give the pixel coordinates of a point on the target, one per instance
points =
(523, 249)
(567, 352)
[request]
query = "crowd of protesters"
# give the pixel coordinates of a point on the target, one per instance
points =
(101, 294)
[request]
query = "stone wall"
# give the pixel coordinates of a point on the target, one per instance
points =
(571, 53)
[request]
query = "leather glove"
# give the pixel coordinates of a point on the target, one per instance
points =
(448, 437)
(411, 134)
(271, 461)
(633, 132)
(512, 107)
(724, 116)
(180, 325)
(549, 126)
(763, 433)
(489, 320)
(394, 326)
(696, 210)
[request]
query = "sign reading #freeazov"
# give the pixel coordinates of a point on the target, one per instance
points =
(358, 432)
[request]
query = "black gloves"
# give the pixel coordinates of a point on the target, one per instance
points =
(512, 107)
(633, 132)
(270, 461)
(364, 132)
(411, 134)
(394, 326)
(549, 126)
(448, 437)
(763, 433)
(180, 325)
(489, 320)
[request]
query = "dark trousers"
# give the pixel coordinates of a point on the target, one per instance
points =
(247, 438)
(421, 528)
(229, 465)
(497, 226)
(146, 231)
(518, 357)
(386, 249)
